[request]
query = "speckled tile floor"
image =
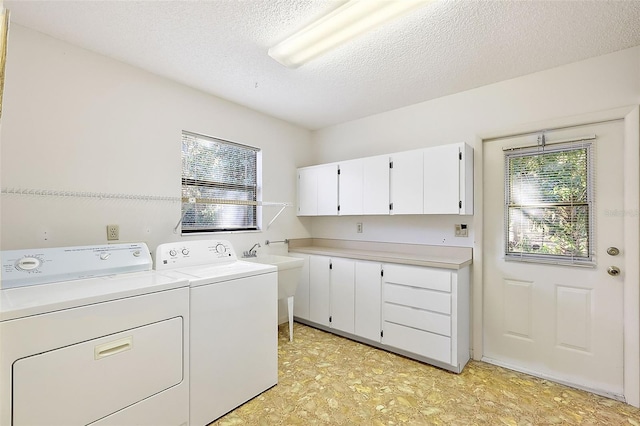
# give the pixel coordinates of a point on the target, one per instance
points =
(328, 380)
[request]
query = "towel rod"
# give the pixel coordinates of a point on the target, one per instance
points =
(266, 243)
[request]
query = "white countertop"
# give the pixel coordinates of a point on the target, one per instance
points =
(408, 254)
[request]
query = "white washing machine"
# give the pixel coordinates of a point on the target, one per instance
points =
(234, 322)
(91, 335)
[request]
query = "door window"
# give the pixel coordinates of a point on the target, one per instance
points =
(549, 203)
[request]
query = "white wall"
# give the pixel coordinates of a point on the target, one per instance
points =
(596, 84)
(78, 121)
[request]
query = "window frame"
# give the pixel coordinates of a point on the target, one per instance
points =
(543, 258)
(188, 202)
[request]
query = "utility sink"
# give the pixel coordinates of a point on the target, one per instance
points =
(289, 269)
(288, 272)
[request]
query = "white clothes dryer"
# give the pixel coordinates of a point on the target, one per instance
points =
(234, 323)
(91, 335)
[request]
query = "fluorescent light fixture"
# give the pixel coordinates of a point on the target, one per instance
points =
(346, 22)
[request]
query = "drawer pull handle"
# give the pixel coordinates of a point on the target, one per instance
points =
(113, 348)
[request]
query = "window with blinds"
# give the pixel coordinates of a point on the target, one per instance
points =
(219, 185)
(549, 203)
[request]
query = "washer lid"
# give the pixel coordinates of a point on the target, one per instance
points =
(209, 274)
(33, 300)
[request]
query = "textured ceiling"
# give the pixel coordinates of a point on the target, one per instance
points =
(220, 47)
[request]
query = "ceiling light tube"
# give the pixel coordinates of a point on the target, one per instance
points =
(346, 22)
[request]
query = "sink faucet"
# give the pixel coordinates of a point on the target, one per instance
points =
(251, 252)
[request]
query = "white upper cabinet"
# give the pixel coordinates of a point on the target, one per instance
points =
(435, 180)
(448, 184)
(375, 185)
(318, 190)
(350, 187)
(328, 190)
(307, 191)
(406, 182)
(364, 186)
(466, 179)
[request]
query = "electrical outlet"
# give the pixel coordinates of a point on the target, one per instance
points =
(113, 232)
(461, 230)
(359, 227)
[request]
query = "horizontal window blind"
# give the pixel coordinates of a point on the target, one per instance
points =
(219, 185)
(549, 203)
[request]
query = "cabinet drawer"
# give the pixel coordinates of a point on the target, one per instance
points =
(417, 318)
(418, 342)
(415, 276)
(418, 298)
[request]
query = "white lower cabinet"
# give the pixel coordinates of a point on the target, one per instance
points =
(342, 307)
(416, 311)
(368, 297)
(319, 290)
(426, 313)
(331, 292)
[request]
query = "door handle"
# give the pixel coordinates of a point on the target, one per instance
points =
(112, 348)
(614, 271)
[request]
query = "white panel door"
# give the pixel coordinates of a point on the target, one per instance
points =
(406, 182)
(327, 189)
(319, 289)
(442, 179)
(342, 294)
(375, 189)
(368, 300)
(307, 191)
(560, 322)
(350, 187)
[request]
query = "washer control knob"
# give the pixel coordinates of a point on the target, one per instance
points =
(28, 263)
(136, 253)
(220, 248)
(185, 251)
(172, 252)
(104, 256)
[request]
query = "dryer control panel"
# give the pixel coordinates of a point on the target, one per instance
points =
(192, 253)
(27, 267)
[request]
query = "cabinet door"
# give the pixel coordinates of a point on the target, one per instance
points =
(466, 179)
(406, 182)
(319, 290)
(342, 294)
(327, 176)
(368, 300)
(307, 191)
(375, 185)
(301, 299)
(350, 187)
(442, 179)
